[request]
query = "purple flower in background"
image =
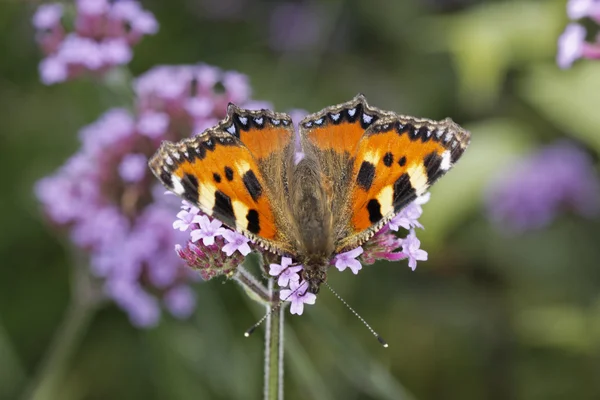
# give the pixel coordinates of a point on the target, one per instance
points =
(297, 294)
(103, 35)
(556, 178)
(107, 200)
(572, 44)
(577, 9)
(295, 27)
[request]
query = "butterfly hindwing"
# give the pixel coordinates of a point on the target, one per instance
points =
(397, 159)
(224, 170)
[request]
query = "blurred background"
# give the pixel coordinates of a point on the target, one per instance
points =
(506, 307)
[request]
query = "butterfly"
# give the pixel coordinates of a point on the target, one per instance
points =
(361, 167)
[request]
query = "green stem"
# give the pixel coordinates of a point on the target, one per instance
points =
(86, 297)
(56, 362)
(273, 389)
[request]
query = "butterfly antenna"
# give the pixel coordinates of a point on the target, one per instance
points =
(377, 335)
(271, 310)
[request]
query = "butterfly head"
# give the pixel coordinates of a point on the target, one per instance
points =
(314, 277)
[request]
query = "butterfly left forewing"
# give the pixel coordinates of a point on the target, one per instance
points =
(397, 159)
(220, 175)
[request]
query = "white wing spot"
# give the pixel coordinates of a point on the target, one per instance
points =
(448, 137)
(335, 116)
(367, 118)
(446, 163)
(319, 121)
(351, 112)
(177, 186)
(231, 129)
(243, 120)
(169, 160)
(259, 121)
(275, 121)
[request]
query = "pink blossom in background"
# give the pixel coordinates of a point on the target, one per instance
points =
(103, 36)
(106, 198)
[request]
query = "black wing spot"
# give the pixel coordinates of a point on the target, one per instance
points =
(374, 209)
(402, 161)
(388, 159)
(223, 209)
(366, 174)
(432, 166)
(252, 185)
(190, 186)
(217, 177)
(165, 178)
(229, 174)
(253, 221)
(404, 193)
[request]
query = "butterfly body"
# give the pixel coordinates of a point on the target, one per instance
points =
(361, 166)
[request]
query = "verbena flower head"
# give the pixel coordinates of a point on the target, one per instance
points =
(106, 199)
(559, 177)
(104, 32)
(227, 249)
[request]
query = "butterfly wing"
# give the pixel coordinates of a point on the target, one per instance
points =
(397, 159)
(331, 137)
(235, 172)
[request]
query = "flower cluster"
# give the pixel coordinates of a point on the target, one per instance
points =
(558, 177)
(208, 240)
(110, 203)
(102, 36)
(572, 44)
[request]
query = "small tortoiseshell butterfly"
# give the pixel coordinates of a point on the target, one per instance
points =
(361, 166)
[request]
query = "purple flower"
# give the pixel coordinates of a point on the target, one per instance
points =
(348, 260)
(180, 301)
(47, 16)
(153, 124)
(297, 294)
(570, 45)
(207, 231)
(185, 218)
(133, 167)
(411, 248)
(556, 178)
(103, 35)
(235, 242)
(53, 70)
(295, 27)
(285, 271)
(577, 9)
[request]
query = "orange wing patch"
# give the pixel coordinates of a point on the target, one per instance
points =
(339, 128)
(397, 160)
(263, 132)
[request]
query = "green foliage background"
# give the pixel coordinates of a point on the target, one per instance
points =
(489, 316)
